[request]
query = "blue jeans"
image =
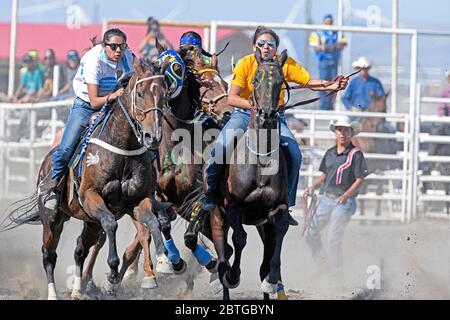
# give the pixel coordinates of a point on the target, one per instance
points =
(338, 215)
(235, 127)
(327, 71)
(77, 123)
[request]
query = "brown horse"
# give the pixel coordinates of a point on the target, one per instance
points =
(178, 181)
(117, 179)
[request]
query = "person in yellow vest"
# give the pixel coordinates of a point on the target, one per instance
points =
(241, 88)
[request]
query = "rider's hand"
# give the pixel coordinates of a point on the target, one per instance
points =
(340, 83)
(117, 93)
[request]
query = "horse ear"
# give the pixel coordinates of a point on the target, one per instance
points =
(137, 65)
(283, 57)
(214, 61)
(258, 55)
(159, 47)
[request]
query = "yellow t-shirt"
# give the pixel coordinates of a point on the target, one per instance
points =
(246, 68)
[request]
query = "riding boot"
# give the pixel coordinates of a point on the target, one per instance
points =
(291, 220)
(52, 195)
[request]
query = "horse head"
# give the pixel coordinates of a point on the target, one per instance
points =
(147, 96)
(213, 90)
(267, 84)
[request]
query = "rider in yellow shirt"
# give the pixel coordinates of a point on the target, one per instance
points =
(241, 87)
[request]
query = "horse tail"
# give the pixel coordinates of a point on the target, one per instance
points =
(24, 211)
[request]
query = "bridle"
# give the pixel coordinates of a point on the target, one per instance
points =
(208, 84)
(139, 112)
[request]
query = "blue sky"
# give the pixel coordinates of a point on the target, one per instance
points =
(421, 15)
(431, 14)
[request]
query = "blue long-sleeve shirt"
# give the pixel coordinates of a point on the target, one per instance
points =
(359, 93)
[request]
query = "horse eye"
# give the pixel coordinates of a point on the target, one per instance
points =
(140, 94)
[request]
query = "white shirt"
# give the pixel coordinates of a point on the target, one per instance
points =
(96, 68)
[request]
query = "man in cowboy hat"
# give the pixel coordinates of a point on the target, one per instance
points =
(361, 90)
(343, 169)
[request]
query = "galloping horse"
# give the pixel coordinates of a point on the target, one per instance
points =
(255, 193)
(117, 179)
(179, 180)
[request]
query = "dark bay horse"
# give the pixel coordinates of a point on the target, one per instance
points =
(117, 179)
(254, 190)
(180, 175)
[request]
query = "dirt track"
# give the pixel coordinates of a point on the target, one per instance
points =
(414, 260)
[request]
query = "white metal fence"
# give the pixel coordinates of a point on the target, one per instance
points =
(20, 156)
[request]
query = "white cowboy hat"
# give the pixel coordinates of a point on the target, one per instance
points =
(362, 62)
(344, 121)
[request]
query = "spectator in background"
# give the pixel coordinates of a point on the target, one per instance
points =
(71, 67)
(31, 82)
(361, 90)
(49, 64)
(147, 47)
(444, 108)
(328, 51)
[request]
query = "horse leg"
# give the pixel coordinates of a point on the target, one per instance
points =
(231, 278)
(87, 273)
(219, 236)
(130, 259)
(88, 238)
(143, 214)
(269, 284)
(95, 207)
(266, 232)
(203, 257)
(178, 264)
(53, 225)
(149, 280)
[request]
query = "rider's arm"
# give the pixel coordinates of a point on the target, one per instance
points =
(96, 101)
(235, 100)
(324, 85)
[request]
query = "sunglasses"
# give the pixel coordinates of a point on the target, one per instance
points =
(262, 43)
(114, 46)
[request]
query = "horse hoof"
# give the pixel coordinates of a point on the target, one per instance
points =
(229, 285)
(130, 275)
(164, 265)
(149, 283)
(281, 295)
(52, 292)
(91, 288)
(110, 288)
(78, 295)
(215, 266)
(180, 269)
(268, 287)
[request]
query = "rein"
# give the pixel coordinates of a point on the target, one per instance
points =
(308, 210)
(305, 102)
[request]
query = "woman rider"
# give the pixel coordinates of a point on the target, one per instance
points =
(93, 84)
(241, 88)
